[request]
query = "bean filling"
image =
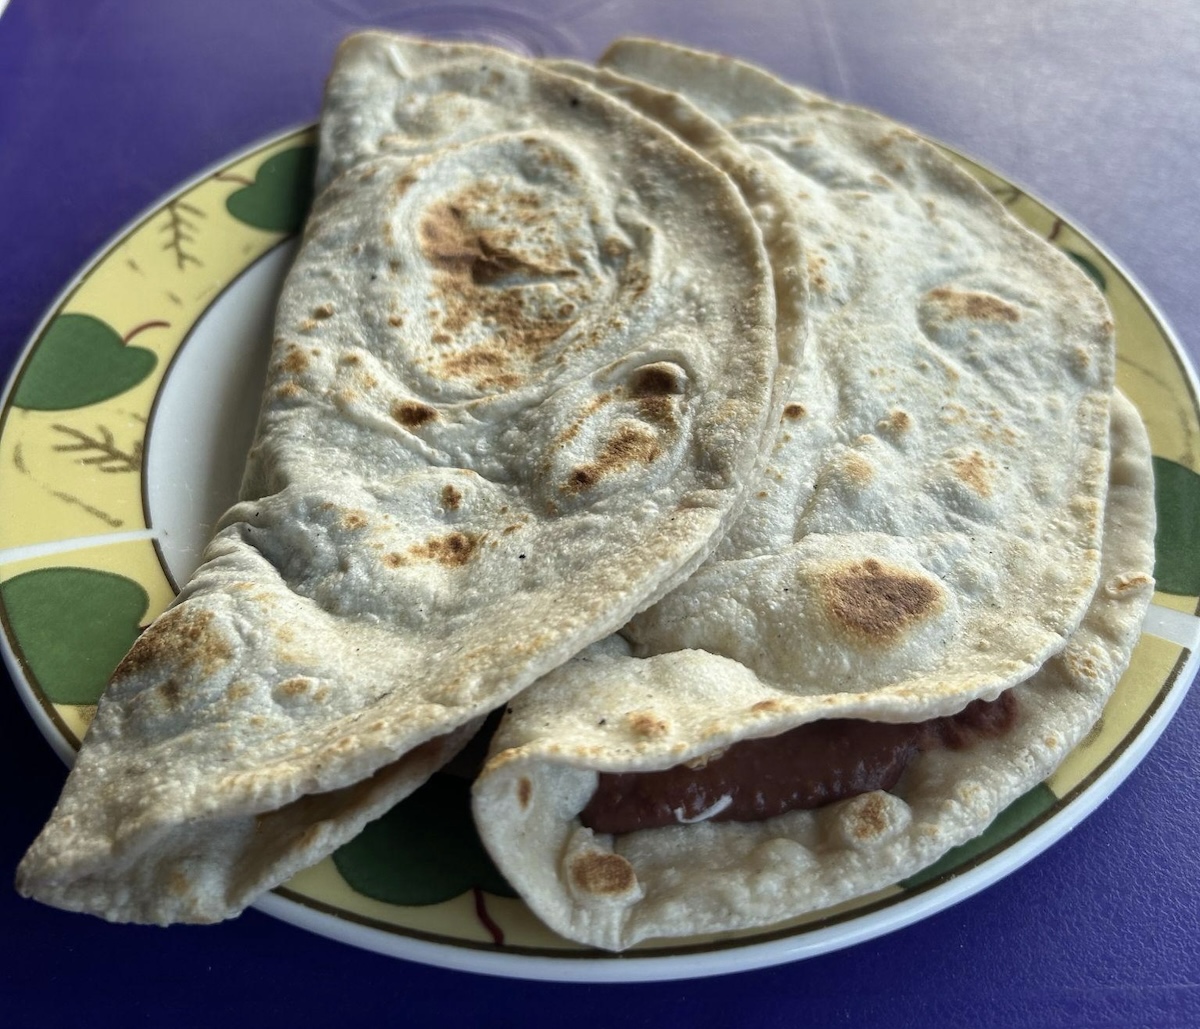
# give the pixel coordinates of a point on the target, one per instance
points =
(806, 767)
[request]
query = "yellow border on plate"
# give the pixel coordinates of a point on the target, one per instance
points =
(74, 473)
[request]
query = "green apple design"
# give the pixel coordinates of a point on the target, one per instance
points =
(424, 851)
(72, 627)
(1020, 813)
(1176, 547)
(279, 198)
(81, 360)
(1089, 269)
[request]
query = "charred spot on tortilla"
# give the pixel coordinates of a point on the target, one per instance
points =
(412, 413)
(486, 366)
(294, 687)
(655, 386)
(448, 241)
(1128, 583)
(445, 240)
(239, 690)
(614, 249)
(630, 444)
(953, 317)
(975, 471)
(646, 723)
(794, 412)
(658, 379)
(450, 497)
(454, 549)
(870, 817)
(816, 278)
(170, 692)
(603, 874)
(295, 360)
(353, 520)
(590, 408)
(895, 422)
(982, 307)
(876, 603)
(183, 636)
(506, 289)
(856, 469)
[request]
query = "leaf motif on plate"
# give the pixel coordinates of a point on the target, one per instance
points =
(424, 851)
(73, 626)
(1089, 269)
(1022, 812)
(279, 198)
(80, 360)
(1177, 541)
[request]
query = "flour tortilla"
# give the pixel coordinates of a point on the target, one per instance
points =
(912, 546)
(369, 118)
(607, 711)
(502, 414)
(916, 540)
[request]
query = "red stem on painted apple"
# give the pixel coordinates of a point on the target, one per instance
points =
(481, 912)
(143, 327)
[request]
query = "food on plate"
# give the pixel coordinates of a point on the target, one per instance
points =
(502, 414)
(608, 714)
(665, 346)
(914, 554)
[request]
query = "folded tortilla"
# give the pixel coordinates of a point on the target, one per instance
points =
(502, 414)
(606, 711)
(924, 536)
(912, 546)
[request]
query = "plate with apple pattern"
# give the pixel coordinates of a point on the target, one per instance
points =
(123, 430)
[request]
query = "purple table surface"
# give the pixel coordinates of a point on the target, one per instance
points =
(104, 107)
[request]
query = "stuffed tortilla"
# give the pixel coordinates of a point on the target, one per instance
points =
(911, 554)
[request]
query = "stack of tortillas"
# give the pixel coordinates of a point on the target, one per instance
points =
(675, 409)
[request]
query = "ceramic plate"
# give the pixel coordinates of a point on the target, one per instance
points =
(122, 436)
